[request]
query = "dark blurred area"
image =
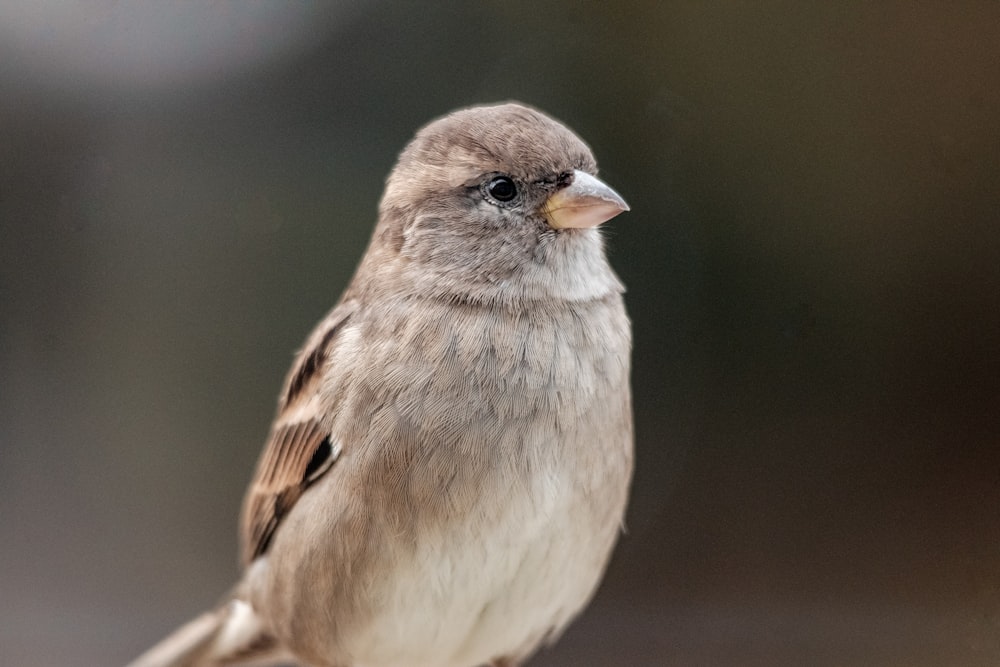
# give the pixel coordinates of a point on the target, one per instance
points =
(813, 262)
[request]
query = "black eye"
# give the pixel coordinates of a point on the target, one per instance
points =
(502, 189)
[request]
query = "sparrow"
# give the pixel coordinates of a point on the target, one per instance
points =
(449, 466)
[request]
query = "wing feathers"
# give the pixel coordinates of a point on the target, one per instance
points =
(296, 456)
(299, 449)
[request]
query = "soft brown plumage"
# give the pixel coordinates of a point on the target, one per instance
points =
(449, 465)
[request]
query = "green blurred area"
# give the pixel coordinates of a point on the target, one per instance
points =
(813, 264)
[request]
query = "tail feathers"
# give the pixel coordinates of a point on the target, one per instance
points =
(230, 635)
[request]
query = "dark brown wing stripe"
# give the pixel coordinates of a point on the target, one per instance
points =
(312, 363)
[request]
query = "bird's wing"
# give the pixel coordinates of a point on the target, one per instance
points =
(299, 449)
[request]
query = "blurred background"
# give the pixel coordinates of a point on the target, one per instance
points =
(812, 256)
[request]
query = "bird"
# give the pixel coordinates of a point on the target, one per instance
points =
(449, 466)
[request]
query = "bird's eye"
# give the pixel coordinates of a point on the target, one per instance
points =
(501, 189)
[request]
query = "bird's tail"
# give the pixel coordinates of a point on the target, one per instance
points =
(230, 635)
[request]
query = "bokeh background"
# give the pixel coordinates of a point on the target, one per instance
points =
(813, 262)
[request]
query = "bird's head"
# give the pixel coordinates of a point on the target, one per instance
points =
(497, 204)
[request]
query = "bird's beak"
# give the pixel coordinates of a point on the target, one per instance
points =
(586, 202)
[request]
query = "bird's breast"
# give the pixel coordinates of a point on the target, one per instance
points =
(511, 442)
(485, 468)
